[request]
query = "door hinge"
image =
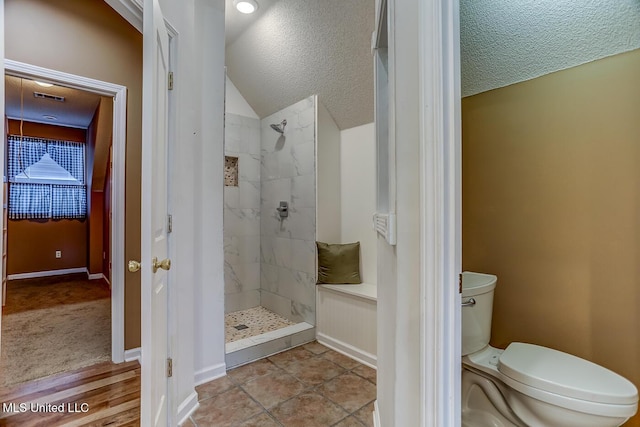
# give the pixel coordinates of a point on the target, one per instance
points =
(170, 80)
(460, 283)
(169, 223)
(169, 367)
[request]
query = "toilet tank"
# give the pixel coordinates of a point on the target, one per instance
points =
(476, 318)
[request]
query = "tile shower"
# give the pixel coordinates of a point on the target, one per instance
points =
(269, 260)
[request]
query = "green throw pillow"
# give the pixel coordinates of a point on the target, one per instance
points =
(339, 263)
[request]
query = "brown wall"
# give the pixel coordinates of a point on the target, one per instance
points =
(95, 246)
(551, 205)
(31, 244)
(40, 130)
(106, 222)
(95, 200)
(88, 38)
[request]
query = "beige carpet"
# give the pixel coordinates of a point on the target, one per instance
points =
(39, 343)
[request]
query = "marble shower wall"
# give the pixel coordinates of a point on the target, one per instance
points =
(242, 215)
(287, 247)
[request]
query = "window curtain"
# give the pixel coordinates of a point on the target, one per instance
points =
(69, 155)
(68, 201)
(23, 152)
(28, 200)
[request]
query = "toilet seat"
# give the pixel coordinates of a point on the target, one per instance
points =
(564, 374)
(525, 374)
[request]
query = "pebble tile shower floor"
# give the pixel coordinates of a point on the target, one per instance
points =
(307, 386)
(258, 320)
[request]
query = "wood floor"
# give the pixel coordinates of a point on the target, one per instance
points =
(101, 395)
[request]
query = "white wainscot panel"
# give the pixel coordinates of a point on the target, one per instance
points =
(346, 320)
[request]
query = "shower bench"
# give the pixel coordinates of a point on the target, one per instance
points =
(346, 320)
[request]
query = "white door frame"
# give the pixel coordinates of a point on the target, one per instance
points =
(440, 211)
(119, 95)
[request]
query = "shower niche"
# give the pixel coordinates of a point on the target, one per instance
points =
(270, 232)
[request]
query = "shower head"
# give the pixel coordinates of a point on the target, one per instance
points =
(280, 126)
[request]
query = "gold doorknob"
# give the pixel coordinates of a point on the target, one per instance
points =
(134, 266)
(165, 264)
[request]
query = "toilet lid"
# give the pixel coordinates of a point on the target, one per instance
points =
(561, 373)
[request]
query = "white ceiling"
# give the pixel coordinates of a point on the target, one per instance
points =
(235, 22)
(77, 110)
(291, 49)
(506, 42)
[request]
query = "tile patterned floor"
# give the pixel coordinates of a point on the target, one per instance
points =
(258, 320)
(308, 386)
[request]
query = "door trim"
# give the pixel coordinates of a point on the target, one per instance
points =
(119, 94)
(440, 211)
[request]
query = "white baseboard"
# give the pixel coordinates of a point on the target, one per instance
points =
(361, 356)
(376, 415)
(35, 274)
(46, 273)
(187, 407)
(210, 374)
(133, 354)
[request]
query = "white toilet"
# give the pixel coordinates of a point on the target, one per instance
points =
(527, 385)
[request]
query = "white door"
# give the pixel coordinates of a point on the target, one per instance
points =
(154, 262)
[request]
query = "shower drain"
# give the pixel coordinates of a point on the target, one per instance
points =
(241, 327)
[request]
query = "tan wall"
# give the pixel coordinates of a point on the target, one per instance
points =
(88, 38)
(551, 205)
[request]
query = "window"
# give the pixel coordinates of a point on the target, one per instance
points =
(46, 178)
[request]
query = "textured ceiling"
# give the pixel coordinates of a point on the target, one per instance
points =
(235, 22)
(297, 48)
(77, 110)
(505, 42)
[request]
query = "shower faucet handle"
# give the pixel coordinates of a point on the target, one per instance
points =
(283, 209)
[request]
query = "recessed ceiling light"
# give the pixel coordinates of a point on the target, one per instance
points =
(49, 117)
(43, 84)
(245, 6)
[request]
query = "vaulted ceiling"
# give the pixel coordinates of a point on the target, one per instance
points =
(291, 49)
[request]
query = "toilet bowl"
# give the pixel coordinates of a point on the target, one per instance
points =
(527, 385)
